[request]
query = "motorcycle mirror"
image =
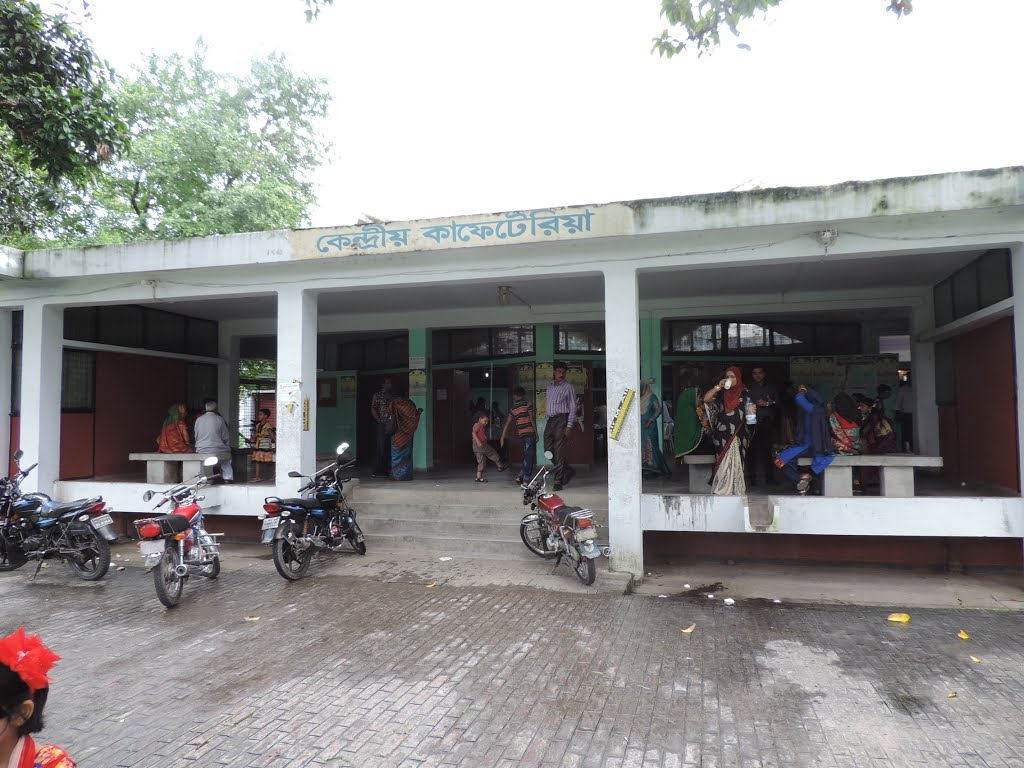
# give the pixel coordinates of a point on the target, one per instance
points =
(147, 496)
(341, 449)
(293, 473)
(549, 455)
(17, 455)
(211, 462)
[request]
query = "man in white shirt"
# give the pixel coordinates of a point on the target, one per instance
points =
(212, 437)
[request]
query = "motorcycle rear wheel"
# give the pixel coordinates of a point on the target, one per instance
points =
(169, 585)
(586, 569)
(290, 563)
(212, 570)
(95, 551)
(535, 537)
(353, 534)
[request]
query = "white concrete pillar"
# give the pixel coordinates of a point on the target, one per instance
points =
(6, 363)
(296, 384)
(41, 361)
(622, 342)
(227, 379)
(1017, 266)
(922, 365)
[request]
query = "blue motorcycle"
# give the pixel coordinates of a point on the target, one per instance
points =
(35, 527)
(320, 518)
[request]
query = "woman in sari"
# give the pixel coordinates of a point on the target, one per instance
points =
(652, 459)
(688, 428)
(876, 436)
(726, 405)
(813, 439)
(844, 424)
(407, 419)
(173, 437)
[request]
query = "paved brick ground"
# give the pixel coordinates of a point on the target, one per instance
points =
(360, 671)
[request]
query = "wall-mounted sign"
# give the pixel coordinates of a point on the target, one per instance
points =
(418, 362)
(417, 382)
(620, 413)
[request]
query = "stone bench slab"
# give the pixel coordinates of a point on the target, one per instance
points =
(163, 467)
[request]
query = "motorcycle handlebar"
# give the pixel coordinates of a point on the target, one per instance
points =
(29, 469)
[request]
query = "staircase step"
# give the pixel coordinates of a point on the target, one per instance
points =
(441, 545)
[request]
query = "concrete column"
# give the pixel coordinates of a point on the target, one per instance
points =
(1017, 265)
(6, 371)
(622, 323)
(41, 364)
(296, 383)
(922, 365)
(227, 382)
(423, 442)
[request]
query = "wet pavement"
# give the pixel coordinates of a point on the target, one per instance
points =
(381, 661)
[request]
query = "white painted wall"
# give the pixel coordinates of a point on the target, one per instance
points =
(296, 383)
(1017, 262)
(41, 359)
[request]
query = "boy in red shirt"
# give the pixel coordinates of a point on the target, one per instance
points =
(482, 450)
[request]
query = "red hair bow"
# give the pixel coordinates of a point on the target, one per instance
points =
(28, 658)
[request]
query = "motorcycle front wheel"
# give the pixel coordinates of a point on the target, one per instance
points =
(94, 551)
(290, 562)
(169, 585)
(535, 536)
(586, 569)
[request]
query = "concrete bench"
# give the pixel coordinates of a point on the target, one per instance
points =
(896, 469)
(174, 467)
(897, 472)
(699, 468)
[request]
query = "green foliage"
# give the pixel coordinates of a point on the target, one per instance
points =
(257, 369)
(701, 21)
(212, 153)
(57, 119)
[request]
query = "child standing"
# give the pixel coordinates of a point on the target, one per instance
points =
(522, 415)
(263, 442)
(482, 450)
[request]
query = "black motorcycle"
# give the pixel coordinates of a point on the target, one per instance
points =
(320, 519)
(34, 527)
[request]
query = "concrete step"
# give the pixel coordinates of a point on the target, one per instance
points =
(453, 512)
(441, 528)
(510, 548)
(494, 494)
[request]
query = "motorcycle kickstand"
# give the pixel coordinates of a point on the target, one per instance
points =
(38, 568)
(558, 561)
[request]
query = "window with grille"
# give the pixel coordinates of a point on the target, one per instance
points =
(579, 337)
(78, 379)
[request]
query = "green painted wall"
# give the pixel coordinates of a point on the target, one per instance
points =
(338, 424)
(423, 441)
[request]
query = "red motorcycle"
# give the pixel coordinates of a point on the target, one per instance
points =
(176, 544)
(554, 529)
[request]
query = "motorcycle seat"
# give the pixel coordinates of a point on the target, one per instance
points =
(307, 504)
(564, 513)
(59, 509)
(177, 523)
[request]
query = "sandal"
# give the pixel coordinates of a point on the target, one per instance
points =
(481, 480)
(803, 485)
(502, 467)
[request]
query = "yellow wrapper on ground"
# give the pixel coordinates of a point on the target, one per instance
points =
(902, 618)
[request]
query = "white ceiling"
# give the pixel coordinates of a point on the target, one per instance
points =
(828, 274)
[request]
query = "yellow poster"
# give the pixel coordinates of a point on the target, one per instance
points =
(417, 382)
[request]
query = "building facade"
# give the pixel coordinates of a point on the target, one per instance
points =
(103, 339)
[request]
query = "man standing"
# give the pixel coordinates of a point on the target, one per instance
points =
(526, 428)
(212, 437)
(760, 453)
(378, 407)
(561, 410)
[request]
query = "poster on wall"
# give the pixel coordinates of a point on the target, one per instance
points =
(327, 393)
(417, 382)
(545, 374)
(348, 387)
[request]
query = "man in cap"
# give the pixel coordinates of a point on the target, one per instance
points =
(561, 412)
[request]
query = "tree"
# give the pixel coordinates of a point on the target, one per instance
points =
(702, 24)
(58, 121)
(211, 153)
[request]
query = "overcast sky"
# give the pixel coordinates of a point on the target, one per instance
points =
(463, 106)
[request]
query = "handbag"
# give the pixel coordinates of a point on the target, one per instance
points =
(390, 424)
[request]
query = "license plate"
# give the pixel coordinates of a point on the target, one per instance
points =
(150, 548)
(100, 520)
(270, 523)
